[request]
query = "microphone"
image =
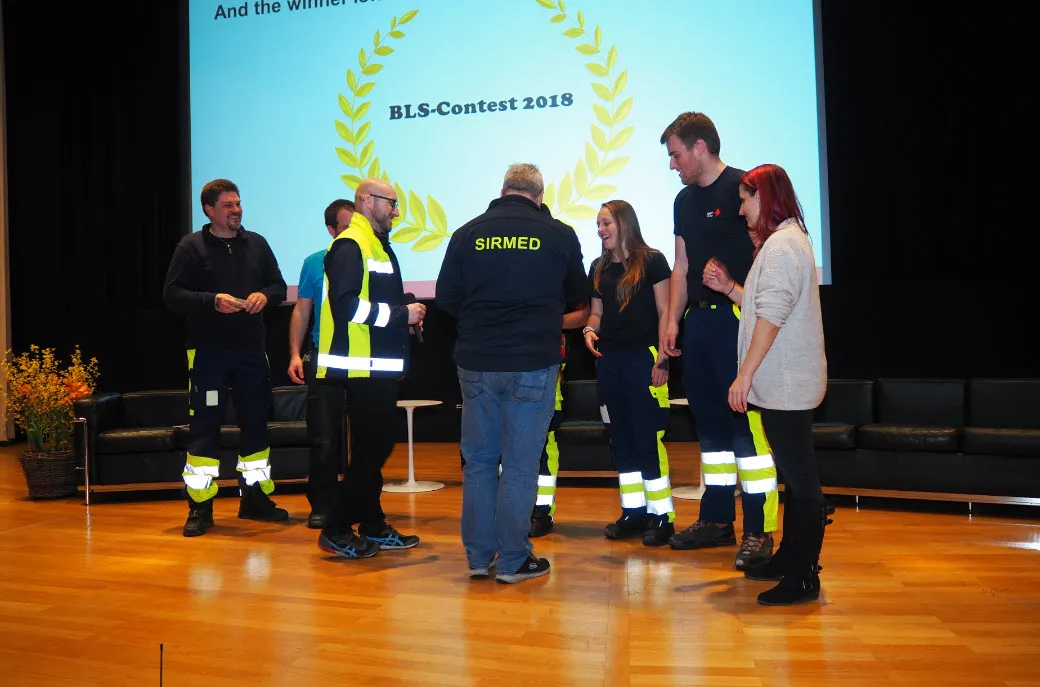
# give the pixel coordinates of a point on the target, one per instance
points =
(410, 298)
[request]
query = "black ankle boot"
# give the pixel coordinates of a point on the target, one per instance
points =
(801, 580)
(797, 587)
(256, 505)
(200, 518)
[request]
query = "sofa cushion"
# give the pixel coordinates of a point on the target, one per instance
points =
(1004, 403)
(580, 401)
(228, 437)
(289, 404)
(578, 432)
(287, 433)
(1002, 442)
(921, 402)
(135, 440)
(885, 437)
(154, 409)
(834, 435)
(849, 401)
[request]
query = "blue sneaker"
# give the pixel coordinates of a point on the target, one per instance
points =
(389, 538)
(348, 545)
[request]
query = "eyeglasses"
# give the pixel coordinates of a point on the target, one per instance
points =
(392, 201)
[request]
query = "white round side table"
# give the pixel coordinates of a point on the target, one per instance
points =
(411, 486)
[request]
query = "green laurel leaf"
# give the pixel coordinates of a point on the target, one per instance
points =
(363, 57)
(587, 49)
(428, 242)
(418, 211)
(548, 4)
(402, 202)
(563, 195)
(383, 50)
(581, 19)
(362, 133)
(366, 154)
(597, 69)
(622, 111)
(603, 116)
(611, 57)
(600, 138)
(437, 215)
(351, 180)
(580, 212)
(349, 159)
(365, 89)
(372, 69)
(393, 22)
(408, 16)
(621, 138)
(385, 177)
(558, 18)
(397, 34)
(574, 32)
(374, 170)
(406, 233)
(362, 110)
(600, 191)
(591, 159)
(375, 40)
(614, 166)
(581, 178)
(345, 106)
(602, 91)
(597, 37)
(549, 195)
(563, 8)
(620, 84)
(351, 80)
(344, 132)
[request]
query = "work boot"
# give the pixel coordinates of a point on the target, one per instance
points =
(756, 548)
(200, 518)
(256, 505)
(629, 525)
(704, 535)
(658, 530)
(541, 522)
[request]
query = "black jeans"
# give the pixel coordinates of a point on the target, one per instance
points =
(372, 412)
(326, 436)
(790, 438)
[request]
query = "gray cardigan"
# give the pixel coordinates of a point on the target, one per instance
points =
(782, 287)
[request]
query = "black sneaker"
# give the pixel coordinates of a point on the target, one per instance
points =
(658, 531)
(389, 538)
(348, 545)
(541, 523)
(756, 548)
(200, 518)
(256, 505)
(626, 527)
(704, 535)
(532, 567)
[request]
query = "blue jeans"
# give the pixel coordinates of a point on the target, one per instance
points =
(504, 414)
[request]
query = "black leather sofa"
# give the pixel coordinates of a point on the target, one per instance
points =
(141, 438)
(971, 440)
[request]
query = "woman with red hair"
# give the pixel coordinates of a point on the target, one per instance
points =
(782, 370)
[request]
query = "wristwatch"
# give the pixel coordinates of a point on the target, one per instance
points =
(586, 330)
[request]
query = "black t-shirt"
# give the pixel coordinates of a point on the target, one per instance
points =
(636, 325)
(708, 219)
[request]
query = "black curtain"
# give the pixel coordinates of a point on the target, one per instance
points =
(928, 231)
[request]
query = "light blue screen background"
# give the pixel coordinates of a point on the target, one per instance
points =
(264, 102)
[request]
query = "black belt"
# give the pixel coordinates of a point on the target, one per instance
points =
(702, 304)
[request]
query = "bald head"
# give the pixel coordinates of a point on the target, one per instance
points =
(376, 201)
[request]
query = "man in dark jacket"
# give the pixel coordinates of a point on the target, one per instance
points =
(221, 279)
(506, 276)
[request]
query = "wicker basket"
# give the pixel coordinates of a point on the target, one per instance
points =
(49, 475)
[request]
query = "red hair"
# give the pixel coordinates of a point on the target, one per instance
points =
(776, 198)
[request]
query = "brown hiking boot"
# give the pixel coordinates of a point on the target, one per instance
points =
(755, 549)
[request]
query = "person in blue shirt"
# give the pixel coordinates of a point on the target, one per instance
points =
(325, 402)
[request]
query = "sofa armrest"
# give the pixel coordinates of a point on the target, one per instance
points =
(101, 411)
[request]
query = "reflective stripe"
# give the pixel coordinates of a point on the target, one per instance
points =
(380, 267)
(209, 470)
(197, 481)
(755, 462)
(362, 312)
(718, 457)
(727, 479)
(544, 500)
(657, 484)
(252, 464)
(383, 318)
(660, 506)
(635, 499)
(630, 478)
(546, 481)
(604, 414)
(342, 362)
(259, 475)
(758, 486)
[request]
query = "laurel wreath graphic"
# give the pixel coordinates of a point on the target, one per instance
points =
(427, 224)
(597, 163)
(415, 218)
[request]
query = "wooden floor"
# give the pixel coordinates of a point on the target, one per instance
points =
(910, 598)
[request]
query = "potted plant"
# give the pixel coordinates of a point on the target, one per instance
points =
(39, 395)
